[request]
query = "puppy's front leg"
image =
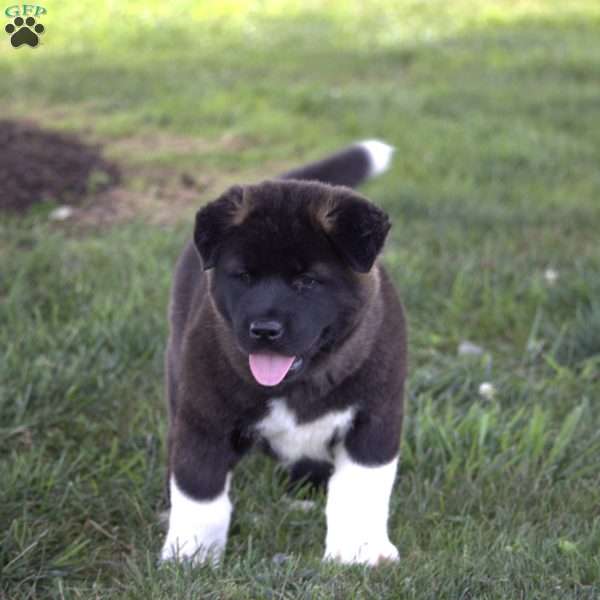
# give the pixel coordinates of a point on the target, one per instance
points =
(357, 507)
(199, 491)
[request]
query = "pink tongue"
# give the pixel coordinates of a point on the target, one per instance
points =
(270, 369)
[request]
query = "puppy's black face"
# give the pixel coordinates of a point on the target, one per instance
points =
(286, 300)
(281, 280)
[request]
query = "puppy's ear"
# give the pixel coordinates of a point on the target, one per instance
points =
(213, 221)
(356, 228)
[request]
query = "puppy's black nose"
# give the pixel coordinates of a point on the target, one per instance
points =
(267, 330)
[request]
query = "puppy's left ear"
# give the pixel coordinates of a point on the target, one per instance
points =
(357, 229)
(213, 221)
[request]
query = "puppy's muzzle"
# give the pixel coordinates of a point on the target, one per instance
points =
(266, 330)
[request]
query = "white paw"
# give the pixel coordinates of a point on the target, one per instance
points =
(357, 512)
(192, 548)
(370, 553)
(197, 529)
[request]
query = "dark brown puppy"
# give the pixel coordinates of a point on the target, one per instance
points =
(285, 330)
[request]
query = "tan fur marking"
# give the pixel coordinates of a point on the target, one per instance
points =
(371, 281)
(321, 210)
(243, 208)
(354, 351)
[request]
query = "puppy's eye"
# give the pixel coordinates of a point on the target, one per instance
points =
(244, 277)
(306, 281)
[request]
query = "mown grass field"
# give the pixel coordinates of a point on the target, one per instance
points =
(494, 110)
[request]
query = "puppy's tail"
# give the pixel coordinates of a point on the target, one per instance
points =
(350, 166)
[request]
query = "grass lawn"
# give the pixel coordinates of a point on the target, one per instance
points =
(494, 108)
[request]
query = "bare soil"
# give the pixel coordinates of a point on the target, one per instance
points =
(37, 166)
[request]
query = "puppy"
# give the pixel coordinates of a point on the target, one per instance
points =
(285, 332)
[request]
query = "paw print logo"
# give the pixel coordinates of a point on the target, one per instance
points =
(24, 31)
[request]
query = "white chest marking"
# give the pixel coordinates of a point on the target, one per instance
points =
(291, 441)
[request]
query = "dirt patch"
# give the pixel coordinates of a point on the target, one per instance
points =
(159, 205)
(37, 166)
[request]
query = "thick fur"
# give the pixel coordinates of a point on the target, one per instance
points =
(302, 253)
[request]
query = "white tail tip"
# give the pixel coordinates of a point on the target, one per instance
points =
(380, 155)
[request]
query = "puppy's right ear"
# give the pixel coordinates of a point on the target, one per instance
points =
(356, 227)
(213, 221)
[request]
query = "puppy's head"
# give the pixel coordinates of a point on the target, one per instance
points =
(289, 261)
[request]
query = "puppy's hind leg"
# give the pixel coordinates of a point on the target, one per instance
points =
(308, 474)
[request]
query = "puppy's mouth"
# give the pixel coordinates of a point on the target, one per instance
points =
(271, 369)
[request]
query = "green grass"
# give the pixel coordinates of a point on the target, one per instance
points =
(493, 107)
